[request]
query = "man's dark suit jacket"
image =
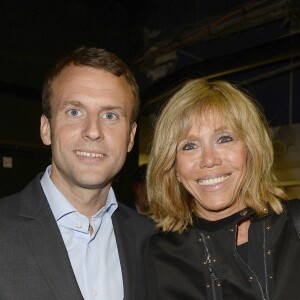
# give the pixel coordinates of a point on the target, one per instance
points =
(34, 263)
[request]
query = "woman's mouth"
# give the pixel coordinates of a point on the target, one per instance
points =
(212, 181)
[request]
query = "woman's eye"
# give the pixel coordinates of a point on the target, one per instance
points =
(110, 116)
(189, 146)
(225, 139)
(74, 112)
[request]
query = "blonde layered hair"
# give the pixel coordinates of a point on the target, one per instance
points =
(171, 206)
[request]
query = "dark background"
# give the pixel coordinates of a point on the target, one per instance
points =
(255, 44)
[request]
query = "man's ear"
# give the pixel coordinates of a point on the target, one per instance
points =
(45, 130)
(131, 136)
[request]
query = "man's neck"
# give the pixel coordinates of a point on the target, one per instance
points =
(86, 201)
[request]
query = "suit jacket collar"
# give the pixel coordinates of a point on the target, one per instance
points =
(43, 237)
(125, 238)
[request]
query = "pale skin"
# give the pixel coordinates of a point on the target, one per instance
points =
(90, 134)
(242, 233)
(210, 162)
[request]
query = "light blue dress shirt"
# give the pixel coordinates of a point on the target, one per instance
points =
(94, 258)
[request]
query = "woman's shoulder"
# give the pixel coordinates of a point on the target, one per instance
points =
(294, 202)
(171, 239)
(292, 207)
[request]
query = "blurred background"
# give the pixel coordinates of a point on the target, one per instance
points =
(255, 44)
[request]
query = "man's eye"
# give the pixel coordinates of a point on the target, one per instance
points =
(110, 116)
(225, 139)
(74, 112)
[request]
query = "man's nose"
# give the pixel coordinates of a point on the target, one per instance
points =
(92, 128)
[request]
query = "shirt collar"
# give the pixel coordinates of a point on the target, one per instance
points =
(61, 207)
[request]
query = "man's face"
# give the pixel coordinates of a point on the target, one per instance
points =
(90, 131)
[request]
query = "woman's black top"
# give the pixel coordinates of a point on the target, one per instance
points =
(203, 262)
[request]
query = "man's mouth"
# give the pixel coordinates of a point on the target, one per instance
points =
(89, 154)
(215, 180)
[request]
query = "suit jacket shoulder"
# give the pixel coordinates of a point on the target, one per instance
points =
(34, 261)
(33, 254)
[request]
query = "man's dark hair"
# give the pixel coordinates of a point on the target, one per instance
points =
(96, 58)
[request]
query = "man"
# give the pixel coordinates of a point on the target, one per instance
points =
(65, 236)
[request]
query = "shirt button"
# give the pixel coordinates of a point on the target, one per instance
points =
(89, 248)
(94, 292)
(78, 225)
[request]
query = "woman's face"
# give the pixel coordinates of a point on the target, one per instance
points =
(210, 163)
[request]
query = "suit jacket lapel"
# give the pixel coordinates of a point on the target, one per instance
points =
(127, 251)
(46, 244)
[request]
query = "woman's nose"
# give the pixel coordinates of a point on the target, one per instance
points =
(209, 157)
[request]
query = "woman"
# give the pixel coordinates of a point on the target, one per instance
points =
(225, 231)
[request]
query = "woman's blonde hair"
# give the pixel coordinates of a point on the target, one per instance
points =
(170, 204)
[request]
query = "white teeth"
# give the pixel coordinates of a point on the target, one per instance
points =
(213, 180)
(88, 154)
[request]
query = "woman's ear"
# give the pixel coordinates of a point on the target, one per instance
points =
(177, 176)
(45, 130)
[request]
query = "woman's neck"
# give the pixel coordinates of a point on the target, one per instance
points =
(242, 232)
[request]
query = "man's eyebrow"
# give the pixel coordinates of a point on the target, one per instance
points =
(118, 108)
(77, 103)
(72, 103)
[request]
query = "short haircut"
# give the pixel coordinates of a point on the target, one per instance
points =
(96, 58)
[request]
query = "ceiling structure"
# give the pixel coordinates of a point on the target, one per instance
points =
(253, 43)
(246, 37)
